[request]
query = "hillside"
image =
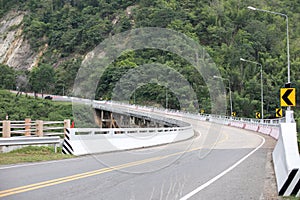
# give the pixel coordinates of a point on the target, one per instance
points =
(21, 107)
(44, 41)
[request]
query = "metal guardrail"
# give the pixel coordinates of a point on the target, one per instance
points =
(14, 141)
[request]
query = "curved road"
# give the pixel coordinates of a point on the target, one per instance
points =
(220, 162)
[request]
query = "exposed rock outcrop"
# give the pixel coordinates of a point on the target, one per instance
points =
(15, 50)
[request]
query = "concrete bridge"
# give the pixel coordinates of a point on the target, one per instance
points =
(218, 157)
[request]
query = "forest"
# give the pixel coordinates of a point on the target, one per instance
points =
(227, 30)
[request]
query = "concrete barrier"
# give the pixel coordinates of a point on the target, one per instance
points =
(264, 129)
(219, 121)
(275, 132)
(81, 141)
(237, 124)
(251, 127)
(286, 161)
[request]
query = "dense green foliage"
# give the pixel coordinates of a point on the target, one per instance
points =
(21, 107)
(42, 78)
(7, 77)
(227, 29)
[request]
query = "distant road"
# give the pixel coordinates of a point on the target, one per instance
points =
(233, 167)
(55, 97)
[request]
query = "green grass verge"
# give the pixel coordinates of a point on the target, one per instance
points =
(31, 154)
(291, 198)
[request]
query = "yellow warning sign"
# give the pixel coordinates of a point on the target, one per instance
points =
(278, 112)
(287, 97)
(257, 115)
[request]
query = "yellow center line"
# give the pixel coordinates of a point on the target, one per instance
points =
(52, 182)
(73, 177)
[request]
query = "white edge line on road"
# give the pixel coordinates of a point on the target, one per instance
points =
(192, 193)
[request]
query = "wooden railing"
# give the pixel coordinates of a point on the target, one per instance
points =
(37, 128)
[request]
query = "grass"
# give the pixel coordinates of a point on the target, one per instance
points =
(31, 154)
(291, 198)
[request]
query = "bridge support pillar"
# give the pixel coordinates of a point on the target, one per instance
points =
(111, 120)
(132, 119)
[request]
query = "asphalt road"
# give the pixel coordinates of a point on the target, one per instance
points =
(220, 162)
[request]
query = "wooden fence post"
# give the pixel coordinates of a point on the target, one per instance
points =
(27, 127)
(39, 128)
(66, 124)
(6, 129)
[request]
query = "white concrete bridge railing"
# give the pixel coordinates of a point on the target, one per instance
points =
(80, 141)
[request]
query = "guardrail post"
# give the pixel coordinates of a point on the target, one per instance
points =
(66, 125)
(39, 128)
(6, 129)
(27, 126)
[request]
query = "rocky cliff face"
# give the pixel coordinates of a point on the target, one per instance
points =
(15, 50)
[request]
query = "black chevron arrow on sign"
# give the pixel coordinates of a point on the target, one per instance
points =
(285, 97)
(257, 115)
(278, 113)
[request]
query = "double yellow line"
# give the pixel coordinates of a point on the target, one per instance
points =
(50, 183)
(57, 181)
(39, 185)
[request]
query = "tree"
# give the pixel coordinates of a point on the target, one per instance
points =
(7, 77)
(42, 79)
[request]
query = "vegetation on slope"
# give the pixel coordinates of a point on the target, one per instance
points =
(21, 107)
